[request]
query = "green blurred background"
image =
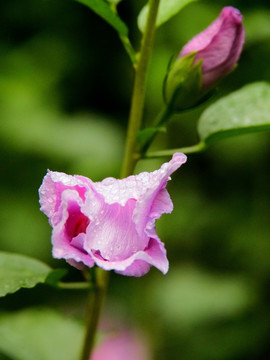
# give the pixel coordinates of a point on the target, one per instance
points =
(65, 85)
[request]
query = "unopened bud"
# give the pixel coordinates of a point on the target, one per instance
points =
(204, 60)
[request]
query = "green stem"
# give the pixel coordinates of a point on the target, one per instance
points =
(138, 96)
(161, 119)
(125, 41)
(94, 307)
(74, 285)
(163, 116)
(187, 150)
(129, 49)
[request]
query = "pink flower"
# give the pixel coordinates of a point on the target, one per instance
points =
(120, 346)
(109, 223)
(219, 46)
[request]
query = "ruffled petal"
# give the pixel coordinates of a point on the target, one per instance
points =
(110, 223)
(113, 233)
(50, 192)
(68, 235)
(162, 204)
(156, 199)
(137, 268)
(139, 263)
(135, 186)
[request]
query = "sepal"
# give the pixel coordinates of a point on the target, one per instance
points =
(183, 84)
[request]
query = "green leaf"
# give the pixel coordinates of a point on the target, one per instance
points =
(244, 111)
(104, 10)
(20, 271)
(40, 334)
(167, 9)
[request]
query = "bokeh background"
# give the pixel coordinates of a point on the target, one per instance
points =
(65, 85)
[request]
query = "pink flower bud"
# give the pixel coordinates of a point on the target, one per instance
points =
(219, 45)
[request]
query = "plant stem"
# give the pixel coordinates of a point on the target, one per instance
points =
(163, 116)
(74, 285)
(129, 49)
(161, 119)
(125, 41)
(94, 307)
(187, 150)
(138, 96)
(135, 119)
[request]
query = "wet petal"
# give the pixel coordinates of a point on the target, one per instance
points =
(68, 235)
(109, 223)
(113, 232)
(50, 191)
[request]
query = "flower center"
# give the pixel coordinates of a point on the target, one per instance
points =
(76, 223)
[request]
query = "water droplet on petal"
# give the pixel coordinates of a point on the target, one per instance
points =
(108, 181)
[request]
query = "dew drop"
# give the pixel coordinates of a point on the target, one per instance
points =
(108, 181)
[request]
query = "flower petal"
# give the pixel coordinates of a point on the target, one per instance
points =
(50, 191)
(202, 40)
(134, 186)
(156, 199)
(139, 263)
(113, 233)
(110, 223)
(222, 45)
(69, 233)
(219, 45)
